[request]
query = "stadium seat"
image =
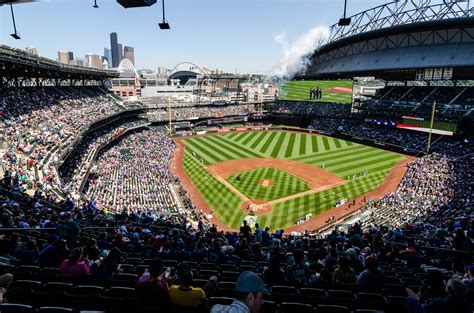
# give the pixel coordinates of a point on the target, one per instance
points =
(284, 294)
(207, 266)
(313, 296)
(199, 283)
(52, 294)
(250, 268)
(395, 290)
(227, 267)
(118, 299)
(22, 290)
(397, 303)
(84, 297)
(51, 309)
(229, 276)
(226, 288)
(341, 297)
(124, 280)
(292, 307)
(220, 300)
(268, 307)
(15, 308)
(323, 308)
(206, 274)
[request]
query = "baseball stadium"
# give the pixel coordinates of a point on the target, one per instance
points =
(346, 186)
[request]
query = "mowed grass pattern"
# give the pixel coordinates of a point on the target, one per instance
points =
(284, 184)
(346, 159)
(299, 90)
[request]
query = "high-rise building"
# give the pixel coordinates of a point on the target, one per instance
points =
(115, 50)
(93, 60)
(79, 61)
(65, 57)
(108, 55)
(120, 52)
(162, 72)
(129, 53)
(31, 50)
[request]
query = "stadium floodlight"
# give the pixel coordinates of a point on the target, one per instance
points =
(136, 3)
(15, 35)
(164, 24)
(344, 21)
(95, 6)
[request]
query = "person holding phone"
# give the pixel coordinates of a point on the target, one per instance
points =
(153, 292)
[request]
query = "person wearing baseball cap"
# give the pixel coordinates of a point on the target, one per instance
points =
(250, 290)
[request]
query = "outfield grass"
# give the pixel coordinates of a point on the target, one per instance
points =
(342, 158)
(299, 90)
(283, 185)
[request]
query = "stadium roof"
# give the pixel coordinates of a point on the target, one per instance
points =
(442, 43)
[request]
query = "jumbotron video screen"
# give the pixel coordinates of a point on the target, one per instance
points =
(339, 91)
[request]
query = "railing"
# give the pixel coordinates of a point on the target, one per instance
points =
(399, 13)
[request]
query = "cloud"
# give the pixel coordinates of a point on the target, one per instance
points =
(295, 56)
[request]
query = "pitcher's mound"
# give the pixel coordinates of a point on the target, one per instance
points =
(257, 207)
(265, 182)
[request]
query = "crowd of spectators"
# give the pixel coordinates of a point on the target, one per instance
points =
(452, 103)
(381, 259)
(313, 109)
(134, 174)
(183, 113)
(77, 164)
(434, 187)
(37, 123)
(386, 134)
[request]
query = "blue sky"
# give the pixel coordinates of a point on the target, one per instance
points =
(227, 34)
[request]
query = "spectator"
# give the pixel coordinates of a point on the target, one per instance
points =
(298, 274)
(152, 291)
(28, 254)
(53, 255)
(274, 275)
(5, 281)
(75, 266)
(187, 296)
(455, 301)
(250, 289)
(373, 278)
(245, 230)
(109, 266)
(344, 276)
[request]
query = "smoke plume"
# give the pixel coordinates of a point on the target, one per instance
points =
(295, 56)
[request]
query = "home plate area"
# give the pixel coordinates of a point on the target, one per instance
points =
(265, 182)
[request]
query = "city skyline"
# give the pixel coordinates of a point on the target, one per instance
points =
(247, 36)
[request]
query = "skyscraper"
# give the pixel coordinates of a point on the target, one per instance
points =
(120, 53)
(79, 61)
(129, 53)
(108, 55)
(115, 50)
(93, 60)
(65, 57)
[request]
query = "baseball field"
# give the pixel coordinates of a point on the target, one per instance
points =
(339, 91)
(277, 177)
